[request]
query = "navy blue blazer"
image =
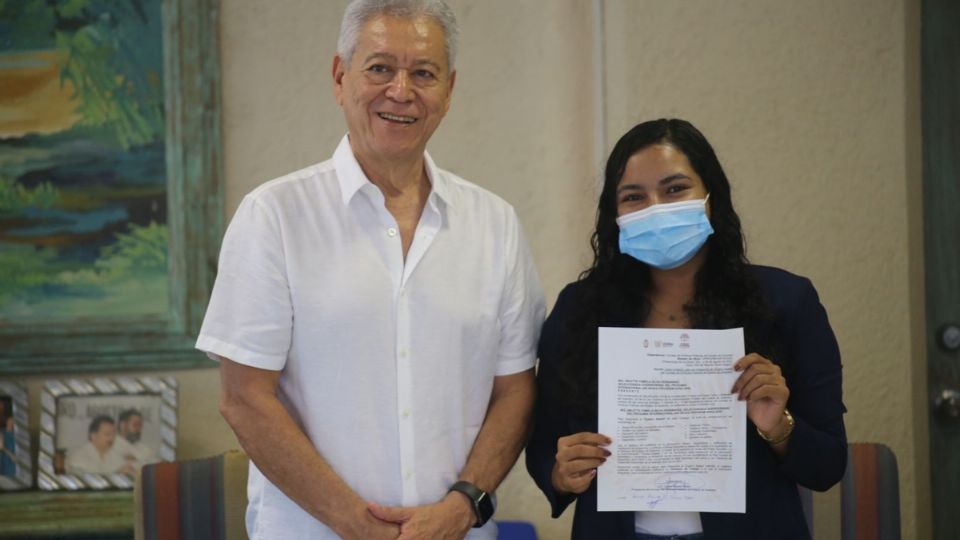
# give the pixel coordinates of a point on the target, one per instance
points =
(816, 457)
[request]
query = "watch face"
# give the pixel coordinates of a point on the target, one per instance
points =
(482, 502)
(484, 508)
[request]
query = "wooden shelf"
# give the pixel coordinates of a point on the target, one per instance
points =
(60, 514)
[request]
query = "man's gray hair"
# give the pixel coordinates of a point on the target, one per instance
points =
(361, 11)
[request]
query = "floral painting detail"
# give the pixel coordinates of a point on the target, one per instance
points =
(83, 213)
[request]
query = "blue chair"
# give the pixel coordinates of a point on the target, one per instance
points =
(516, 530)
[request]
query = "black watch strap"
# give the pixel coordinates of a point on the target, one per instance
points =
(481, 500)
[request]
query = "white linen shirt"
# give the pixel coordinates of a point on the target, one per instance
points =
(86, 459)
(387, 365)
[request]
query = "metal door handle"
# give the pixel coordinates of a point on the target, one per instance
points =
(950, 337)
(947, 404)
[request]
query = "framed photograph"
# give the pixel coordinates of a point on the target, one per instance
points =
(110, 183)
(16, 462)
(97, 433)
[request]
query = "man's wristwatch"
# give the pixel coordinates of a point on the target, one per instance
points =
(481, 500)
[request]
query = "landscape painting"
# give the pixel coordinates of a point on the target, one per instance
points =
(83, 180)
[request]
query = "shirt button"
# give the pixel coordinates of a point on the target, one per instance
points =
(391, 232)
(403, 352)
(409, 474)
(405, 413)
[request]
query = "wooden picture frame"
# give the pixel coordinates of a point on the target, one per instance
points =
(16, 471)
(194, 195)
(83, 423)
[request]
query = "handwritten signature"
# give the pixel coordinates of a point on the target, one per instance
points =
(678, 482)
(653, 502)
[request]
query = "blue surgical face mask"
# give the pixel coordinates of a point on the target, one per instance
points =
(667, 235)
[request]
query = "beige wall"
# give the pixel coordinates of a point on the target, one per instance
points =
(812, 106)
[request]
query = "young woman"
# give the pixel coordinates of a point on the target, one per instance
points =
(669, 253)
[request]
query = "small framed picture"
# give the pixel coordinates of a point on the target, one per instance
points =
(16, 463)
(96, 433)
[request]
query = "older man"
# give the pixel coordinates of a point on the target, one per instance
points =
(376, 317)
(102, 453)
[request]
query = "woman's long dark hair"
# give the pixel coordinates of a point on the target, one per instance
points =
(614, 290)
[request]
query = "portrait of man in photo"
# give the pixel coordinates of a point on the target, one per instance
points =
(102, 453)
(130, 429)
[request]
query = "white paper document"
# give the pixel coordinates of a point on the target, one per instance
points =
(679, 435)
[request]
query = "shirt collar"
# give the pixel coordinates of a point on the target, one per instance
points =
(352, 179)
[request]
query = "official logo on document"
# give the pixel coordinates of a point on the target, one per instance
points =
(684, 341)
